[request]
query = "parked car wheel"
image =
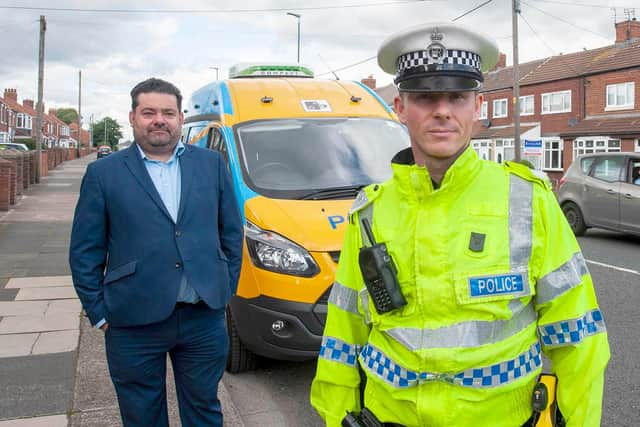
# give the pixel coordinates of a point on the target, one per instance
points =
(574, 217)
(240, 358)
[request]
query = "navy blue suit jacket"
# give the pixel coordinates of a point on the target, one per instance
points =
(127, 255)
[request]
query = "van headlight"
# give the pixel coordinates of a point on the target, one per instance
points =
(273, 252)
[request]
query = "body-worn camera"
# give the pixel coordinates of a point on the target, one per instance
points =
(380, 274)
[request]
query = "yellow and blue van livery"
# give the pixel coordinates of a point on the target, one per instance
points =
(298, 149)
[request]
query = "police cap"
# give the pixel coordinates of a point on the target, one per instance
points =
(437, 58)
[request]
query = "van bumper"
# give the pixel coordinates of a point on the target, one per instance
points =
(300, 336)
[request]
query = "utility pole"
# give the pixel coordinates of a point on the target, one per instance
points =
(516, 81)
(43, 29)
(79, 111)
(105, 133)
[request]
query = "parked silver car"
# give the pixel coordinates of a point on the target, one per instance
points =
(602, 190)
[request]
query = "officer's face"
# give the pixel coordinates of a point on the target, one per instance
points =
(156, 122)
(439, 124)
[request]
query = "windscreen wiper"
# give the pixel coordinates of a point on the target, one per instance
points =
(346, 192)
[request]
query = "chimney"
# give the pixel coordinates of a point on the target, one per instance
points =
(502, 62)
(11, 94)
(627, 30)
(52, 112)
(369, 82)
(28, 103)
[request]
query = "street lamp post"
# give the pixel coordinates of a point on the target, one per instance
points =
(295, 15)
(215, 68)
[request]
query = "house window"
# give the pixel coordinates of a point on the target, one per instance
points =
(504, 150)
(596, 144)
(483, 110)
(620, 96)
(637, 149)
(21, 122)
(526, 105)
(556, 102)
(500, 108)
(552, 153)
(483, 148)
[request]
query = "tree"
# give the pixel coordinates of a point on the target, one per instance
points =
(106, 132)
(67, 115)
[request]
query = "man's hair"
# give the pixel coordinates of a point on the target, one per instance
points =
(155, 85)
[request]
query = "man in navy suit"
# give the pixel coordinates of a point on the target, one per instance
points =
(155, 254)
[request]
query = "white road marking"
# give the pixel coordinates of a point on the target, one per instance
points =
(626, 270)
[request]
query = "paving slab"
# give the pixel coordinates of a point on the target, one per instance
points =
(52, 322)
(17, 308)
(17, 345)
(40, 282)
(56, 342)
(59, 292)
(63, 306)
(50, 421)
(36, 385)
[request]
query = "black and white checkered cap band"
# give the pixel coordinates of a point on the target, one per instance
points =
(453, 57)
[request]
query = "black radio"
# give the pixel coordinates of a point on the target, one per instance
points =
(380, 274)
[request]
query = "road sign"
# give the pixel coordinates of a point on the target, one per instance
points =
(532, 147)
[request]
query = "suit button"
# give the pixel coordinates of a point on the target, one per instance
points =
(178, 264)
(178, 233)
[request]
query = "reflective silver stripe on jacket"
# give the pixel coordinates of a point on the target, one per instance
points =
(562, 279)
(339, 351)
(467, 334)
(344, 298)
(520, 223)
(572, 331)
(524, 364)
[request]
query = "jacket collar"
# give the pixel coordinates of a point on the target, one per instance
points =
(415, 180)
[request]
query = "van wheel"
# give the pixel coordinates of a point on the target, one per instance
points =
(574, 218)
(239, 359)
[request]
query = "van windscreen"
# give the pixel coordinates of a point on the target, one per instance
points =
(293, 158)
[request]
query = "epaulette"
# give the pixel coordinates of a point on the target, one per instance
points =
(533, 175)
(365, 197)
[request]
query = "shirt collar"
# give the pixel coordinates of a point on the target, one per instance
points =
(177, 152)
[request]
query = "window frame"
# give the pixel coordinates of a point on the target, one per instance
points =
(581, 145)
(484, 110)
(549, 96)
(547, 149)
(628, 105)
(533, 105)
(506, 108)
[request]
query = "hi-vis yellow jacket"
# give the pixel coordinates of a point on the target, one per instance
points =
(493, 277)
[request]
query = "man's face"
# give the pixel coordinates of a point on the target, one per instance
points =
(156, 122)
(440, 124)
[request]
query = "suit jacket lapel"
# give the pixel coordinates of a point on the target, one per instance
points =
(186, 178)
(134, 162)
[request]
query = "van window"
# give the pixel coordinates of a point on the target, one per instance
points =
(292, 157)
(193, 131)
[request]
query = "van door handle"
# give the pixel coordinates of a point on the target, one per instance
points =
(628, 196)
(610, 191)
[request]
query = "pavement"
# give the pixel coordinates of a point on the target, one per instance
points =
(53, 369)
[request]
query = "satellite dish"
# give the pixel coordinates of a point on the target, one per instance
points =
(573, 121)
(486, 123)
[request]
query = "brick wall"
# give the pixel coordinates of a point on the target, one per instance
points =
(596, 99)
(551, 124)
(6, 168)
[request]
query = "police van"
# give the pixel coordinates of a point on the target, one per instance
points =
(298, 150)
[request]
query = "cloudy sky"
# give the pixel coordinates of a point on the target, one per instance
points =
(118, 43)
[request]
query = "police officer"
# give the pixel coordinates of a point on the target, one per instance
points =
(489, 270)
